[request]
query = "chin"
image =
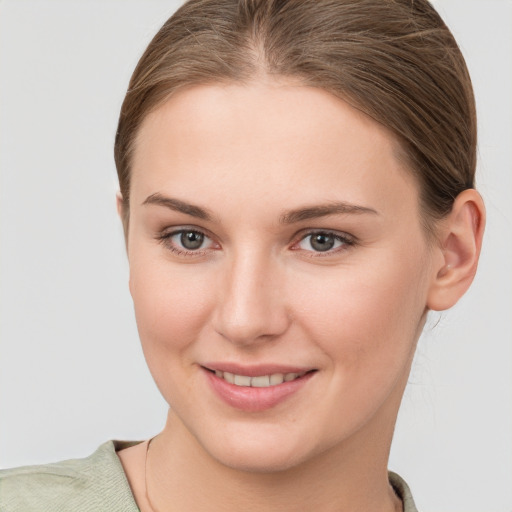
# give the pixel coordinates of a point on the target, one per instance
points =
(264, 449)
(258, 458)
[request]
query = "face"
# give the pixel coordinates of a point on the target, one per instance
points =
(279, 271)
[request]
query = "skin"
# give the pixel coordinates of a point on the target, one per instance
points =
(256, 292)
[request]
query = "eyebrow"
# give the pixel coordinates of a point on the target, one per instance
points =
(289, 217)
(314, 212)
(179, 206)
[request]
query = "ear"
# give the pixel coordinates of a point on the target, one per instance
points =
(460, 243)
(119, 204)
(123, 215)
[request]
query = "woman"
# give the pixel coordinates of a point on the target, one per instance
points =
(297, 193)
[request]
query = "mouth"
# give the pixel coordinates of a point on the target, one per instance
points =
(259, 381)
(256, 388)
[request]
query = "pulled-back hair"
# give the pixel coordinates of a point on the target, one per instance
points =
(394, 60)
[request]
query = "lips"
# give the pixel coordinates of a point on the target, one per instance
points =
(255, 388)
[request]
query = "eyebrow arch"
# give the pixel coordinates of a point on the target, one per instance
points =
(323, 210)
(179, 206)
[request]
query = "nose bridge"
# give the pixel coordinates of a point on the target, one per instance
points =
(250, 306)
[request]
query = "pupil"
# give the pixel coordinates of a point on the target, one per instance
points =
(322, 242)
(191, 240)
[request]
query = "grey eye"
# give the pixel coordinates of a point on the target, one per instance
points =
(322, 241)
(191, 240)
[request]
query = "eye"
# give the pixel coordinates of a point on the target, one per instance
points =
(190, 240)
(186, 241)
(323, 242)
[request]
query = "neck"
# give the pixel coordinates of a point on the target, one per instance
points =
(344, 478)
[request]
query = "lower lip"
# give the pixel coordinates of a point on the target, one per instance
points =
(251, 399)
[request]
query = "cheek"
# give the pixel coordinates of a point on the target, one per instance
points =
(170, 308)
(367, 317)
(170, 304)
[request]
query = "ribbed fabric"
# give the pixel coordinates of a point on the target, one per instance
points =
(94, 484)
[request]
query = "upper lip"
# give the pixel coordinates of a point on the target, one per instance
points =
(255, 370)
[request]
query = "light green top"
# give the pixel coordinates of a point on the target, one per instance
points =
(94, 484)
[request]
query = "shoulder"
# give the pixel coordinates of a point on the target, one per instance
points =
(95, 483)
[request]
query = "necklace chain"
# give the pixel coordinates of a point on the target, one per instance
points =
(146, 494)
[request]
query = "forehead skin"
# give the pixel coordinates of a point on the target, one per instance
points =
(260, 130)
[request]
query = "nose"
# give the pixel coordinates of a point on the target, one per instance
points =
(251, 307)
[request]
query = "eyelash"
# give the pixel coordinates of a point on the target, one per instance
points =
(344, 239)
(165, 238)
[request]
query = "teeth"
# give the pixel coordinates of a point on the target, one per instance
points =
(229, 377)
(276, 378)
(261, 381)
(242, 380)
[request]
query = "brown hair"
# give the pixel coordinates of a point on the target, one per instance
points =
(395, 60)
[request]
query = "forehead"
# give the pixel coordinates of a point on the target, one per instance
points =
(266, 139)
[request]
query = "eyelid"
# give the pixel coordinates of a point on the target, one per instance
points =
(164, 237)
(347, 240)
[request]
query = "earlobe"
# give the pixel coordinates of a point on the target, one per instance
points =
(119, 204)
(460, 244)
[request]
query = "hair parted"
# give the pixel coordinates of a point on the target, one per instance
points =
(394, 60)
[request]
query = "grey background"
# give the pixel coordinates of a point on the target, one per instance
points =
(72, 374)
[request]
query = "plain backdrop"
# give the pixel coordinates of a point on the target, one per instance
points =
(72, 374)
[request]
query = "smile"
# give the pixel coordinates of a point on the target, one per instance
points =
(256, 388)
(260, 381)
